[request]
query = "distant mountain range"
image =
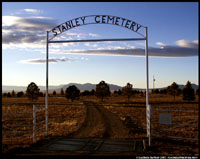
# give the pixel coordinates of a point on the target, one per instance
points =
(81, 87)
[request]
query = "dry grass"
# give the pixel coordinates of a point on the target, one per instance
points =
(66, 117)
(184, 124)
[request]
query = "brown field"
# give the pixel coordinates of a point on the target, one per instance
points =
(85, 118)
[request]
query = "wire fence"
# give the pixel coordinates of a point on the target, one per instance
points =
(22, 125)
(179, 122)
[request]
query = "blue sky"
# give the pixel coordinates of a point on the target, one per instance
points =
(172, 40)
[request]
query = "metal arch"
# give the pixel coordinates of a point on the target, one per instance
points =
(96, 23)
(96, 40)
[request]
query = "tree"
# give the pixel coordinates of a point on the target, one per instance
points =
(72, 92)
(118, 92)
(92, 92)
(173, 90)
(54, 93)
(20, 94)
(102, 90)
(32, 91)
(85, 93)
(62, 92)
(41, 94)
(142, 93)
(13, 93)
(163, 91)
(5, 94)
(188, 92)
(197, 91)
(156, 91)
(128, 90)
(9, 95)
(115, 93)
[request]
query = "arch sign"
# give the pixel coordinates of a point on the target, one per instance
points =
(99, 19)
(96, 19)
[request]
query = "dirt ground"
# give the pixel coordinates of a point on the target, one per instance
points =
(100, 123)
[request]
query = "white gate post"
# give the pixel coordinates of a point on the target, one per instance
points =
(47, 63)
(147, 84)
(34, 123)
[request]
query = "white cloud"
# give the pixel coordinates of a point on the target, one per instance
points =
(132, 47)
(95, 45)
(87, 44)
(32, 11)
(25, 30)
(187, 44)
(93, 35)
(196, 42)
(161, 44)
(51, 60)
(36, 61)
(83, 58)
(115, 47)
(41, 61)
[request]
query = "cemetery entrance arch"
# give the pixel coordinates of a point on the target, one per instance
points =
(99, 19)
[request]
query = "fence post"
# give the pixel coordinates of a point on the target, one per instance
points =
(34, 123)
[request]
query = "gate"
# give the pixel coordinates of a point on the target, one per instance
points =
(176, 121)
(98, 19)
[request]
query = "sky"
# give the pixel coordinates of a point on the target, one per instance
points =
(172, 43)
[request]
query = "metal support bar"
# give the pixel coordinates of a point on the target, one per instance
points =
(96, 40)
(47, 64)
(147, 81)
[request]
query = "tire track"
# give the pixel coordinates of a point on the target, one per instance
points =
(100, 123)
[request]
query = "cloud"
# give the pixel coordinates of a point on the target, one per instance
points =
(187, 44)
(41, 61)
(182, 49)
(34, 11)
(30, 33)
(51, 60)
(27, 11)
(25, 30)
(160, 44)
(196, 42)
(93, 35)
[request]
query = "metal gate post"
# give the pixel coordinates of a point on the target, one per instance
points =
(47, 64)
(147, 80)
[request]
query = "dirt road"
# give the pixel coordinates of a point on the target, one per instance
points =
(100, 123)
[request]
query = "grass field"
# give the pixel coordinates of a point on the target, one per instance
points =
(19, 111)
(66, 117)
